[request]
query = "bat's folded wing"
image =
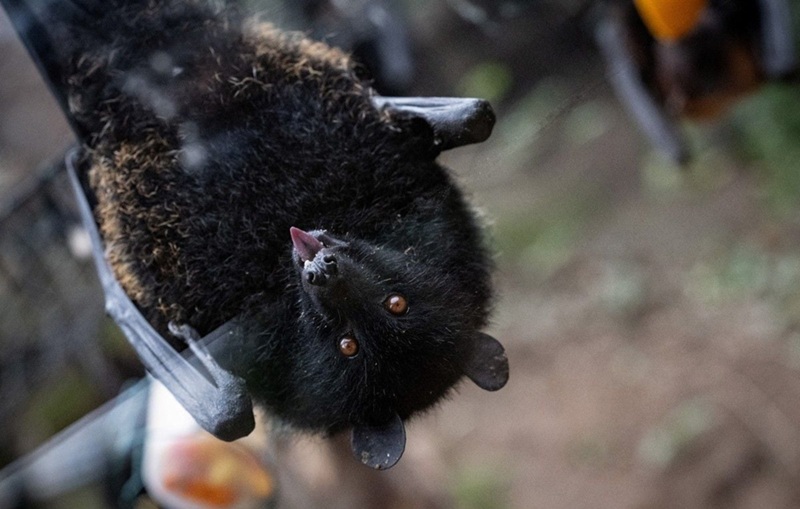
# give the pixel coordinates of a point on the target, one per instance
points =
(455, 121)
(216, 398)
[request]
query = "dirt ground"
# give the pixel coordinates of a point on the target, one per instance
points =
(650, 315)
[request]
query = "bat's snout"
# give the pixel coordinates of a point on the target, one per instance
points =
(322, 269)
(316, 256)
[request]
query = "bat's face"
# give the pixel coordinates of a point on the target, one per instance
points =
(383, 336)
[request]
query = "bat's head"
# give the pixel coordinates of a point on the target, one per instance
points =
(385, 335)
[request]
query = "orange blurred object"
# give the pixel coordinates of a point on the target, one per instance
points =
(213, 473)
(185, 467)
(669, 20)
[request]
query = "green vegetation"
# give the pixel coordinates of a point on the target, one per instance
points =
(489, 80)
(662, 444)
(481, 488)
(768, 128)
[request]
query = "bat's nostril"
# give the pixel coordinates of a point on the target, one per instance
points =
(330, 267)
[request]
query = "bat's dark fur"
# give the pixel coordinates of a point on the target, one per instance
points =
(207, 138)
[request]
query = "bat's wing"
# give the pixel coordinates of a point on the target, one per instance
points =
(778, 51)
(455, 121)
(215, 397)
(627, 82)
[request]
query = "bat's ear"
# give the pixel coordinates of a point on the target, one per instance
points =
(486, 363)
(455, 121)
(379, 447)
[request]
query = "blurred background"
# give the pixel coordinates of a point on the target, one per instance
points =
(651, 312)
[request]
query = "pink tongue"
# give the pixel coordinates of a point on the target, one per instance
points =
(306, 245)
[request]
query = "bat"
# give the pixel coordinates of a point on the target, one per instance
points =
(692, 59)
(249, 196)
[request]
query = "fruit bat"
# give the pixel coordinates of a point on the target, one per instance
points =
(249, 196)
(671, 59)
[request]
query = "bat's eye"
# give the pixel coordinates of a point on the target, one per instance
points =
(396, 304)
(348, 346)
